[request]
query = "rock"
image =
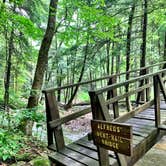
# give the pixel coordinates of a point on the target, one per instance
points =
(24, 157)
(20, 163)
(40, 161)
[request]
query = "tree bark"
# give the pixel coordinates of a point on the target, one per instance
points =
(8, 70)
(164, 55)
(9, 54)
(108, 57)
(42, 61)
(112, 60)
(144, 34)
(143, 48)
(43, 56)
(129, 31)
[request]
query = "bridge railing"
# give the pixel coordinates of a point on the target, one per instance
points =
(112, 94)
(107, 109)
(101, 82)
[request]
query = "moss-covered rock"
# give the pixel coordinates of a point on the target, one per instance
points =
(40, 161)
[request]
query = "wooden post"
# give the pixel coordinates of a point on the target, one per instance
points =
(97, 114)
(162, 86)
(101, 112)
(52, 113)
(147, 81)
(156, 100)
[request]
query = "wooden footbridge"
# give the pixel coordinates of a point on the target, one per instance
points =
(138, 103)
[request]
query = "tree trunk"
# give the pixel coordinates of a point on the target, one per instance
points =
(129, 31)
(69, 104)
(112, 60)
(144, 34)
(143, 48)
(8, 71)
(9, 53)
(164, 55)
(43, 57)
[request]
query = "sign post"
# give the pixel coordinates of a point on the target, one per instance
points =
(112, 136)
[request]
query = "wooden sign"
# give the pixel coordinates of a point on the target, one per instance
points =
(112, 136)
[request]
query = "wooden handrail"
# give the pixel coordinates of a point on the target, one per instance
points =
(60, 121)
(99, 79)
(110, 87)
(117, 98)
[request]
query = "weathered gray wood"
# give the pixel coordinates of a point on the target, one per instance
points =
(104, 109)
(162, 86)
(79, 157)
(157, 100)
(162, 127)
(53, 114)
(61, 159)
(83, 150)
(108, 88)
(131, 114)
(98, 115)
(68, 118)
(116, 98)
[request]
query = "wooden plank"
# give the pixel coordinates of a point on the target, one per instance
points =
(162, 86)
(162, 127)
(108, 88)
(144, 117)
(143, 127)
(79, 157)
(104, 109)
(141, 121)
(85, 151)
(117, 98)
(61, 159)
(136, 140)
(131, 114)
(87, 144)
(57, 122)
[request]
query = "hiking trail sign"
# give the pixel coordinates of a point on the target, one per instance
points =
(112, 136)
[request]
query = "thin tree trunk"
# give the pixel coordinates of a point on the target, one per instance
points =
(7, 78)
(108, 57)
(143, 48)
(164, 55)
(112, 60)
(69, 104)
(59, 83)
(43, 57)
(8, 70)
(128, 45)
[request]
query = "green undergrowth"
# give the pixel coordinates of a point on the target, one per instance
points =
(10, 143)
